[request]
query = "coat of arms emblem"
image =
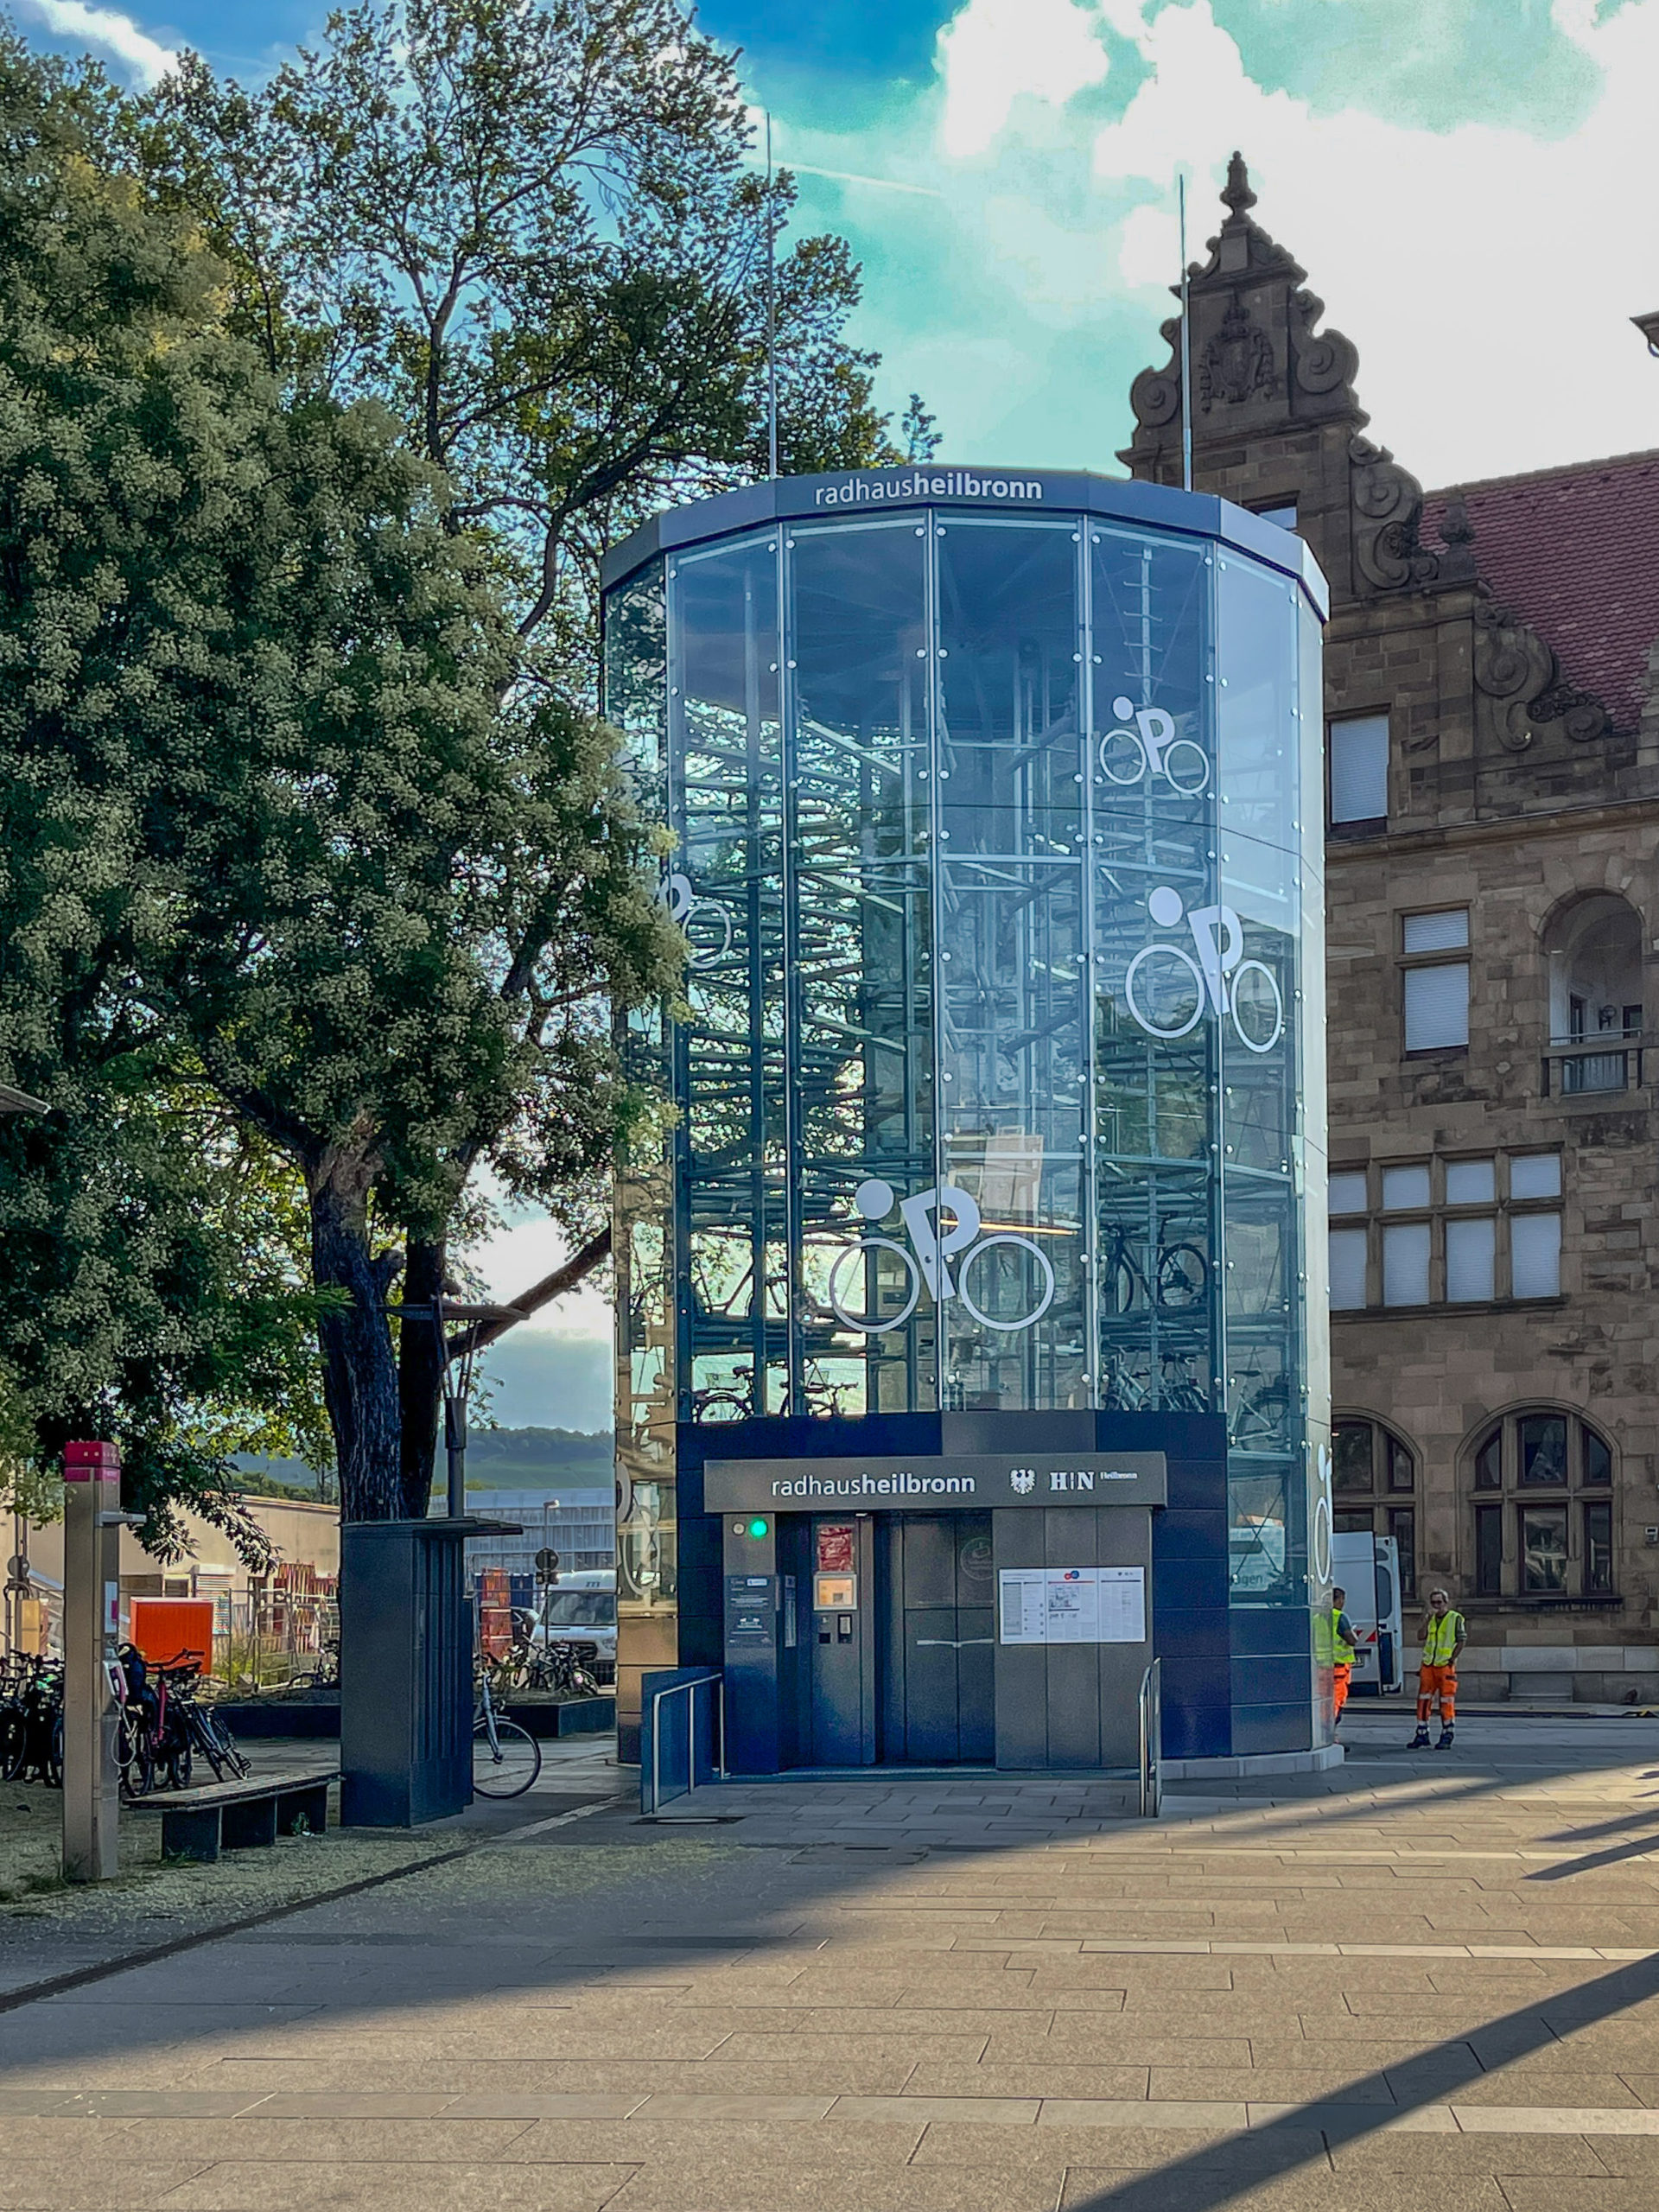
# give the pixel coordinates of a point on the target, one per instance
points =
(1023, 1480)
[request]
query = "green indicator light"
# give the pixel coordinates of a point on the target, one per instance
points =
(758, 1527)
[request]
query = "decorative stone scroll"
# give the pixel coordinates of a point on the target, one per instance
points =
(1519, 686)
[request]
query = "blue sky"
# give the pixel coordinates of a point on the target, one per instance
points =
(1468, 183)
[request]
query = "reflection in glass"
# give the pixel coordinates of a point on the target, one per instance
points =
(998, 1078)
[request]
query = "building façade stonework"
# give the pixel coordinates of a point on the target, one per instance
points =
(1492, 701)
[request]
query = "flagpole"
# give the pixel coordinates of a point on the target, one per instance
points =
(1187, 355)
(772, 316)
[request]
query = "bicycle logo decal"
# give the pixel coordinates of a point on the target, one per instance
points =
(1144, 746)
(1169, 977)
(684, 905)
(936, 1247)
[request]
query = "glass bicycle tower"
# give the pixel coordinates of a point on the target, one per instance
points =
(996, 1116)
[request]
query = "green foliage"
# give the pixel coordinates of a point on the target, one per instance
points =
(536, 230)
(920, 430)
(154, 1289)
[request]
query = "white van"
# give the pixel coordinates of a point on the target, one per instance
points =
(581, 1608)
(1368, 1568)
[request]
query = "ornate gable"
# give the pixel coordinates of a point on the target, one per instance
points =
(1260, 364)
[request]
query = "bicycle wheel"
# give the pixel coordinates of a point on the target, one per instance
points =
(1183, 1271)
(234, 1757)
(201, 1740)
(507, 1767)
(138, 1759)
(179, 1765)
(52, 1772)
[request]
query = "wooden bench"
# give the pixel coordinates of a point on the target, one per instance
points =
(238, 1816)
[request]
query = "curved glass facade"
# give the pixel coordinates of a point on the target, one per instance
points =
(998, 1078)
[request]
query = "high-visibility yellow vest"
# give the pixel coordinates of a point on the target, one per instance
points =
(1342, 1650)
(1441, 1637)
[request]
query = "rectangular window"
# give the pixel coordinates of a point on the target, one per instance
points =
(1402, 1526)
(1404, 1189)
(1405, 1264)
(1470, 1252)
(1470, 1183)
(1347, 1269)
(1437, 1007)
(1446, 931)
(1283, 511)
(1536, 1256)
(1489, 1551)
(1352, 1524)
(1541, 1438)
(1535, 1175)
(1347, 1191)
(1597, 1550)
(1543, 1550)
(1359, 770)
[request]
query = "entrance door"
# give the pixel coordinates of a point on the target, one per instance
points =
(941, 1630)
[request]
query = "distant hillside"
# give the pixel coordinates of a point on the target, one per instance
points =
(520, 1459)
(497, 1459)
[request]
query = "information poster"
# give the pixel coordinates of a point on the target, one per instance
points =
(835, 1548)
(1073, 1605)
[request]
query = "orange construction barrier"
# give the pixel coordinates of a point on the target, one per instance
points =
(165, 1629)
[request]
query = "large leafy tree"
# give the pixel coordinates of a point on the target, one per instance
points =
(296, 826)
(535, 231)
(154, 1287)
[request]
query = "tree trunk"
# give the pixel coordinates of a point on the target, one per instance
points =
(421, 1360)
(360, 1374)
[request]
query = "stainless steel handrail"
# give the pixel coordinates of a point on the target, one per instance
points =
(1151, 1741)
(713, 1679)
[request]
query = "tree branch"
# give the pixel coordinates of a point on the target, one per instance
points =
(575, 1271)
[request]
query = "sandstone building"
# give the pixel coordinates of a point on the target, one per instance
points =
(1492, 697)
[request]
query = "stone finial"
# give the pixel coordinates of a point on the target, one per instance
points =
(1238, 195)
(1456, 529)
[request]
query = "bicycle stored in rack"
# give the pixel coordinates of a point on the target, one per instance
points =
(31, 1721)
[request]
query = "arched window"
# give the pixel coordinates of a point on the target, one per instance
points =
(1594, 950)
(1543, 1508)
(1374, 1482)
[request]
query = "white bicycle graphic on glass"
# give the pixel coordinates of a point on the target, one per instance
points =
(1144, 745)
(684, 905)
(935, 1248)
(1167, 990)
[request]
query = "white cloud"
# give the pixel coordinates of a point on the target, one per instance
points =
(1486, 275)
(109, 32)
(996, 50)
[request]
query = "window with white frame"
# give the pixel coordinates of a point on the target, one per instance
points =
(1458, 1231)
(1358, 753)
(1435, 985)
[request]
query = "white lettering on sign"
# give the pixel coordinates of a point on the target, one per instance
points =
(904, 1486)
(950, 484)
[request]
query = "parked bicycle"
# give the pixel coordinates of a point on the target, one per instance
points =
(165, 1724)
(31, 1721)
(1177, 1282)
(506, 1758)
(325, 1674)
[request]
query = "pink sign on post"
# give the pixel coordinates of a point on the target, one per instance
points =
(92, 1462)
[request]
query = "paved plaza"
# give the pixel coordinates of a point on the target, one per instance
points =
(1427, 1980)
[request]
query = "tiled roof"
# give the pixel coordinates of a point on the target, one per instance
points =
(1575, 552)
